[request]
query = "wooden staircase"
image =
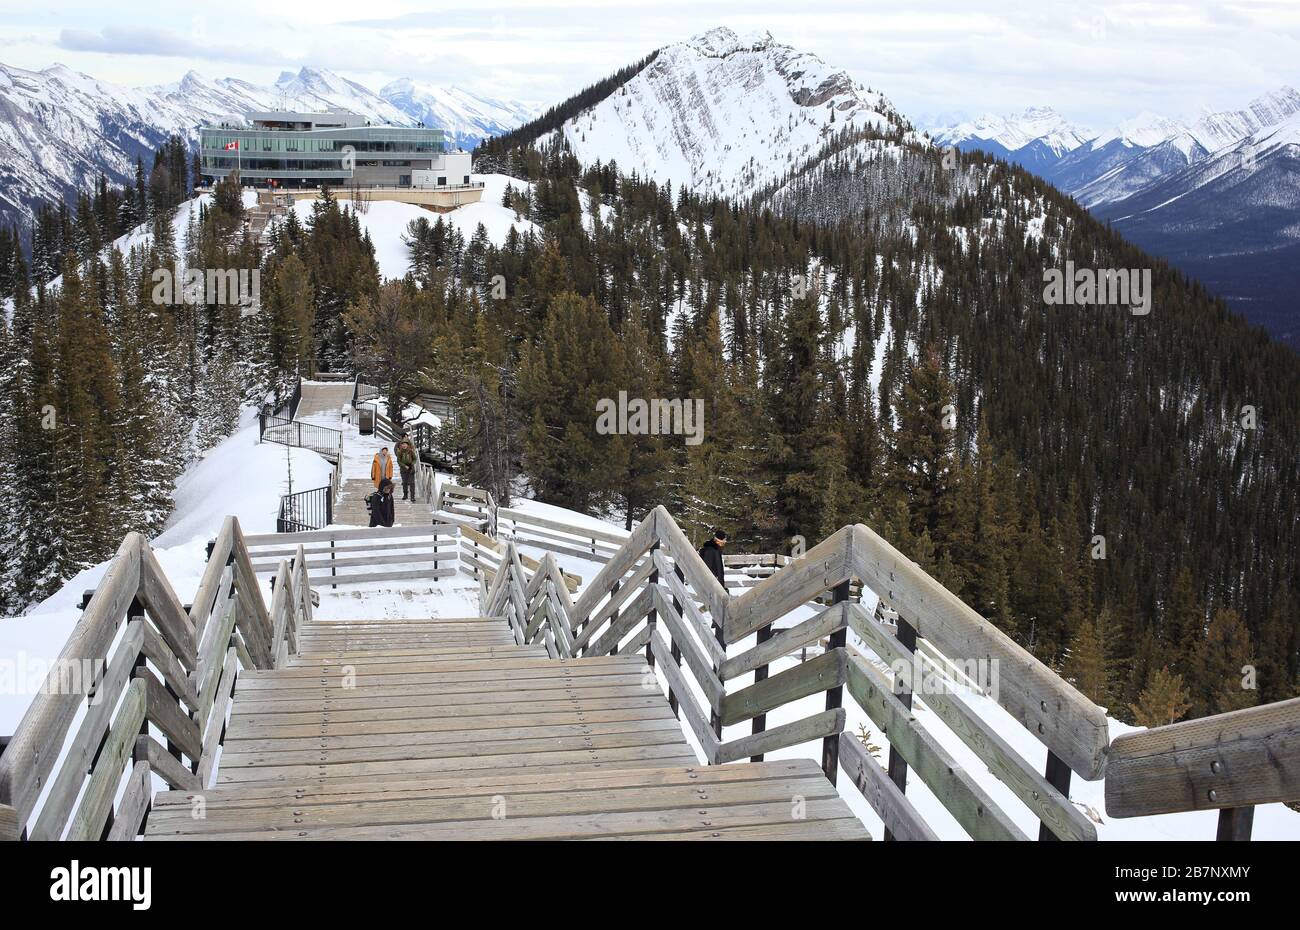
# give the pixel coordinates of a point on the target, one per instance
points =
(446, 729)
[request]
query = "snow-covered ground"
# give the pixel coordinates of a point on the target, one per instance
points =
(239, 476)
(386, 222)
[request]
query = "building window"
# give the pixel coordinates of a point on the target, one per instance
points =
(442, 182)
(467, 179)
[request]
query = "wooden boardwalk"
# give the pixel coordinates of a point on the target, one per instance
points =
(446, 729)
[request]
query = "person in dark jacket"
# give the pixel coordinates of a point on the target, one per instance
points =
(711, 553)
(381, 504)
(406, 457)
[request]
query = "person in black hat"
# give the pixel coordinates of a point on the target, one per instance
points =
(711, 553)
(380, 504)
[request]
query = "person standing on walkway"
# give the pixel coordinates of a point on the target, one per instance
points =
(406, 457)
(711, 553)
(380, 504)
(381, 468)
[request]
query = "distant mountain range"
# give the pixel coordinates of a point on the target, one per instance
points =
(1219, 197)
(60, 128)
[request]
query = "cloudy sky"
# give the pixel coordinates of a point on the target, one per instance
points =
(1096, 62)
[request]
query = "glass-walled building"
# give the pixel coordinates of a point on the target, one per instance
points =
(336, 148)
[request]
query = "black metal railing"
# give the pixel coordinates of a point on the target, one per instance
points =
(320, 439)
(306, 510)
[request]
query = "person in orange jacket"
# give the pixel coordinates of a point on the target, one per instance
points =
(381, 468)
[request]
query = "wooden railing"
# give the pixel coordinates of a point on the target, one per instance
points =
(469, 504)
(1229, 763)
(156, 671)
(359, 556)
(656, 594)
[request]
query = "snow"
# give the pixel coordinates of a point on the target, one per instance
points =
(724, 114)
(386, 221)
(1015, 131)
(238, 476)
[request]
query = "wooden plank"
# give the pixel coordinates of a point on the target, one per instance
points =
(624, 560)
(541, 762)
(951, 784)
(784, 642)
(316, 790)
(696, 661)
(523, 806)
(620, 626)
(582, 532)
(1012, 769)
(97, 801)
(686, 558)
(166, 766)
(818, 726)
(67, 782)
(157, 652)
(273, 555)
(819, 569)
(263, 727)
(607, 610)
(216, 721)
(10, 829)
(34, 749)
(896, 812)
(211, 580)
(815, 675)
(134, 805)
(1237, 759)
(403, 558)
(448, 531)
(685, 697)
(562, 827)
(690, 611)
(160, 601)
(1056, 714)
(164, 713)
(367, 578)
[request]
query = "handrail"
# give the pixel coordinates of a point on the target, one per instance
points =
(1227, 762)
(319, 439)
(312, 509)
(154, 662)
(655, 592)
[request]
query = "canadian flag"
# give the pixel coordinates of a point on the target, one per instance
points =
(230, 146)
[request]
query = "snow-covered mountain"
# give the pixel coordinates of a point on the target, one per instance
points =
(467, 116)
(1107, 166)
(725, 114)
(1217, 196)
(1231, 219)
(60, 128)
(1015, 131)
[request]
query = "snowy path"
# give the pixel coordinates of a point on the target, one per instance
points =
(321, 404)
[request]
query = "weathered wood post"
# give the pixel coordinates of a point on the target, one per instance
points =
(653, 616)
(835, 696)
(897, 764)
(675, 648)
(760, 674)
(1235, 824)
(1058, 775)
